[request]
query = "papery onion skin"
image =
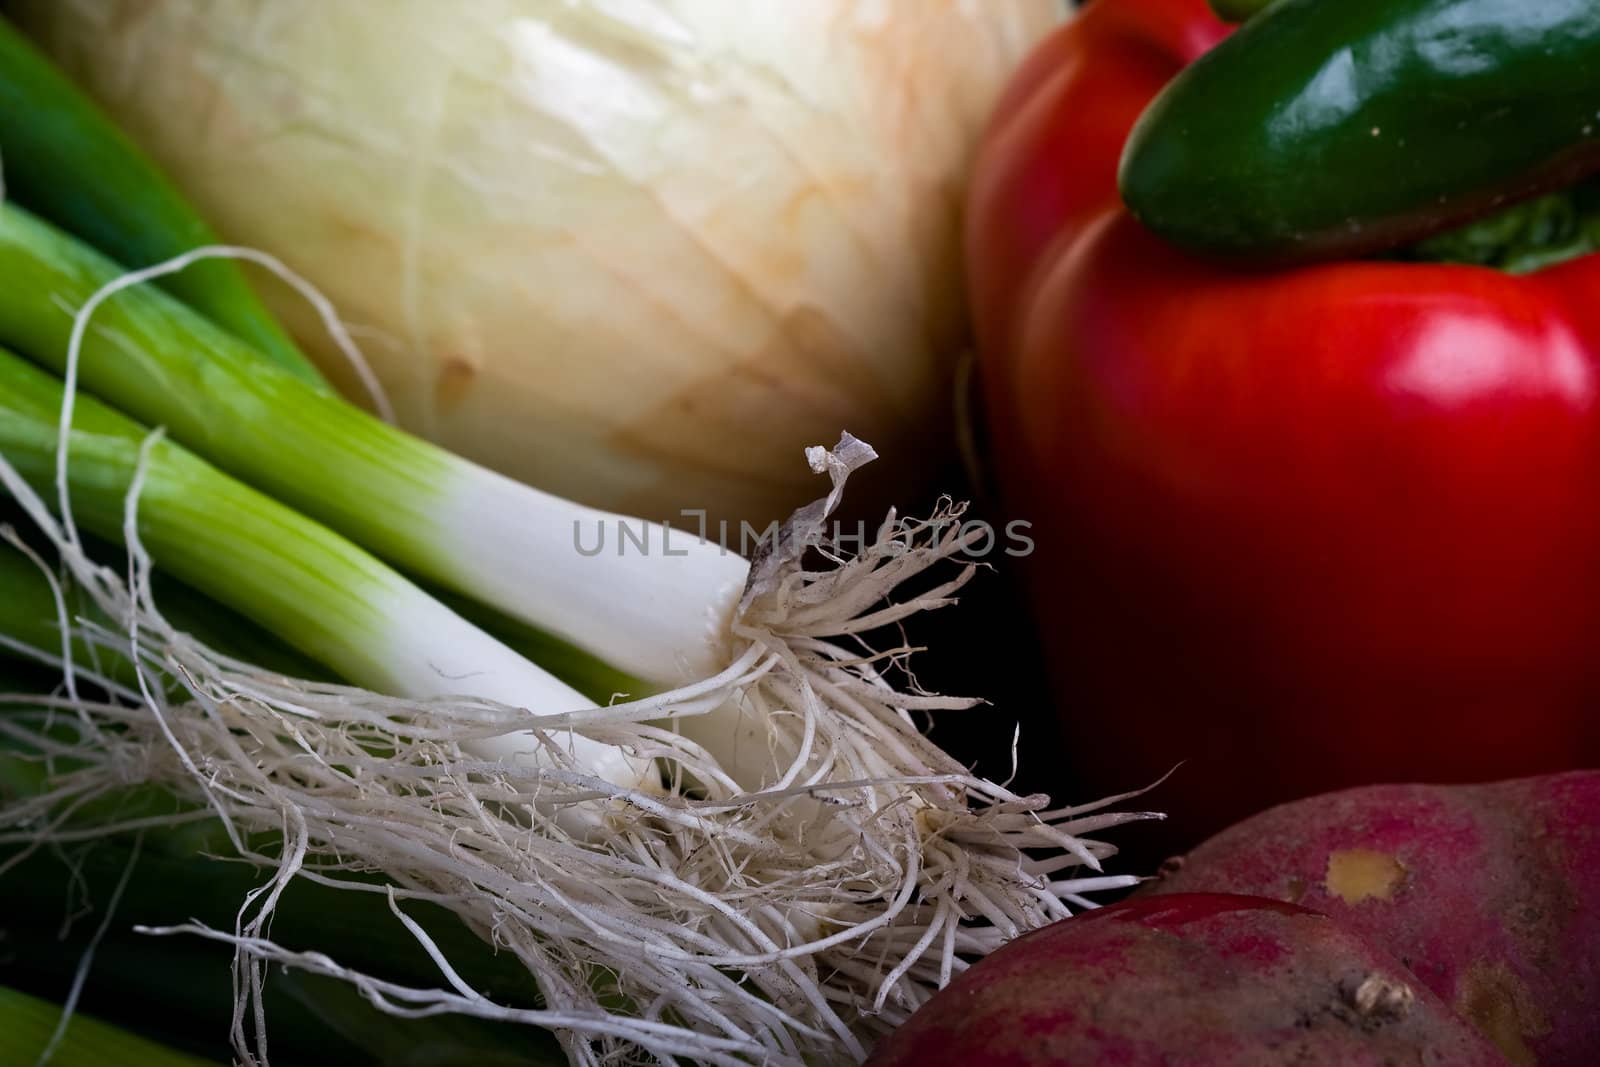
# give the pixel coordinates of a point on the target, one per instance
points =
(636, 252)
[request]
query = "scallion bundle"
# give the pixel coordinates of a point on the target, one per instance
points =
(767, 861)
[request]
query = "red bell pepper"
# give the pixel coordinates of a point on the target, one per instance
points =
(1300, 529)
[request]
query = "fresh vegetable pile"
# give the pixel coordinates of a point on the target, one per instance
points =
(1290, 359)
(733, 845)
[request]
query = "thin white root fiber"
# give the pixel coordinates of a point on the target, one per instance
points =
(788, 926)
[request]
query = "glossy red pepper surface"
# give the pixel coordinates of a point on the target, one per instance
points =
(1299, 529)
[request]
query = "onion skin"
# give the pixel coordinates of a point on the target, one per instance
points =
(639, 259)
(1489, 894)
(1196, 979)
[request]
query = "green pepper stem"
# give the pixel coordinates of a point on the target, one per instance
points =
(1238, 10)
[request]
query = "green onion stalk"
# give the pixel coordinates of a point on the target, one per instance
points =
(368, 780)
(71, 162)
(333, 601)
(768, 856)
(31, 1029)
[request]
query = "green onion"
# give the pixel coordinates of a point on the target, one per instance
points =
(318, 592)
(646, 610)
(28, 611)
(66, 160)
(28, 1024)
(817, 867)
(29, 616)
(177, 990)
(595, 679)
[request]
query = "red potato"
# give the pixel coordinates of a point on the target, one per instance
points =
(1489, 894)
(1198, 980)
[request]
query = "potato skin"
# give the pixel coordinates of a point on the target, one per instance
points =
(1200, 980)
(1489, 894)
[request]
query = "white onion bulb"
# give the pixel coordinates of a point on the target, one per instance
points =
(636, 252)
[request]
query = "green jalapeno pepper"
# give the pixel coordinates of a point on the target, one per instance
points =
(1332, 128)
